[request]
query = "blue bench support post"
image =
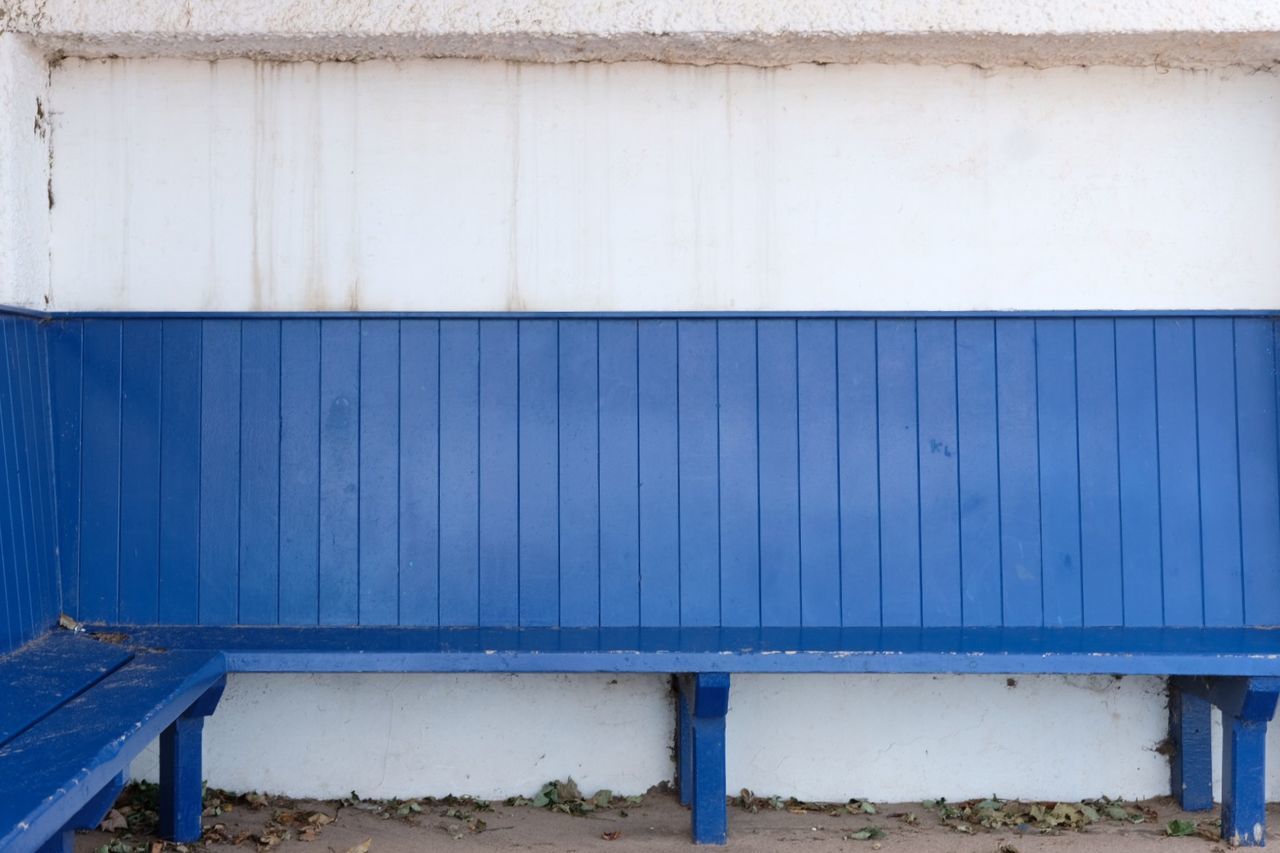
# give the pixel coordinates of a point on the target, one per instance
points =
(89, 816)
(704, 700)
(1247, 705)
(684, 745)
(1191, 733)
(181, 776)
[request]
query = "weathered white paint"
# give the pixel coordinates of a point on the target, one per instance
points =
(759, 32)
(24, 173)
(467, 185)
(887, 738)
(487, 186)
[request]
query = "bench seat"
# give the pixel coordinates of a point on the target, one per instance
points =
(48, 673)
(1113, 651)
(62, 771)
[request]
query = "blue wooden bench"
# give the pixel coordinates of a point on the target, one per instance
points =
(696, 495)
(74, 711)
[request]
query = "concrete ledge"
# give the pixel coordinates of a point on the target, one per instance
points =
(1174, 33)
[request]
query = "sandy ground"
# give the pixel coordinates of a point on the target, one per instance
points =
(655, 823)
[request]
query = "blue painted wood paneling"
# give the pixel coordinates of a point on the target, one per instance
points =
(1101, 577)
(140, 378)
(65, 344)
(619, 474)
(100, 476)
(940, 591)
(299, 546)
(339, 553)
(900, 566)
(819, 498)
(978, 444)
(779, 466)
(659, 485)
(259, 571)
(578, 475)
(739, 474)
(1057, 427)
(699, 477)
(29, 572)
(1017, 440)
(499, 473)
(220, 415)
(419, 482)
(459, 473)
(859, 472)
(539, 473)
(648, 471)
(180, 413)
(1256, 418)
(1140, 516)
(1178, 475)
(1218, 433)
(379, 487)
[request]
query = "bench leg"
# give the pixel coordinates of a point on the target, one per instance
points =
(181, 777)
(89, 816)
(707, 697)
(1244, 749)
(684, 746)
(1191, 733)
(1247, 705)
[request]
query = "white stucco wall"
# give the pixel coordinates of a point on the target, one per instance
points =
(467, 185)
(455, 184)
(25, 116)
(824, 738)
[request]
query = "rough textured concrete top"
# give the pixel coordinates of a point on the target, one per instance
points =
(1177, 33)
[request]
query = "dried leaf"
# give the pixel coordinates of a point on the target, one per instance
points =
(611, 836)
(362, 847)
(114, 821)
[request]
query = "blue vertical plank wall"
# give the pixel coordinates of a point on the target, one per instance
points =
(29, 583)
(654, 470)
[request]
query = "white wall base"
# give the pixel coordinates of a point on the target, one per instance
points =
(387, 735)
(817, 737)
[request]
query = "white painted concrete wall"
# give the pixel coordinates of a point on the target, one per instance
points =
(488, 186)
(24, 173)
(824, 738)
(464, 185)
